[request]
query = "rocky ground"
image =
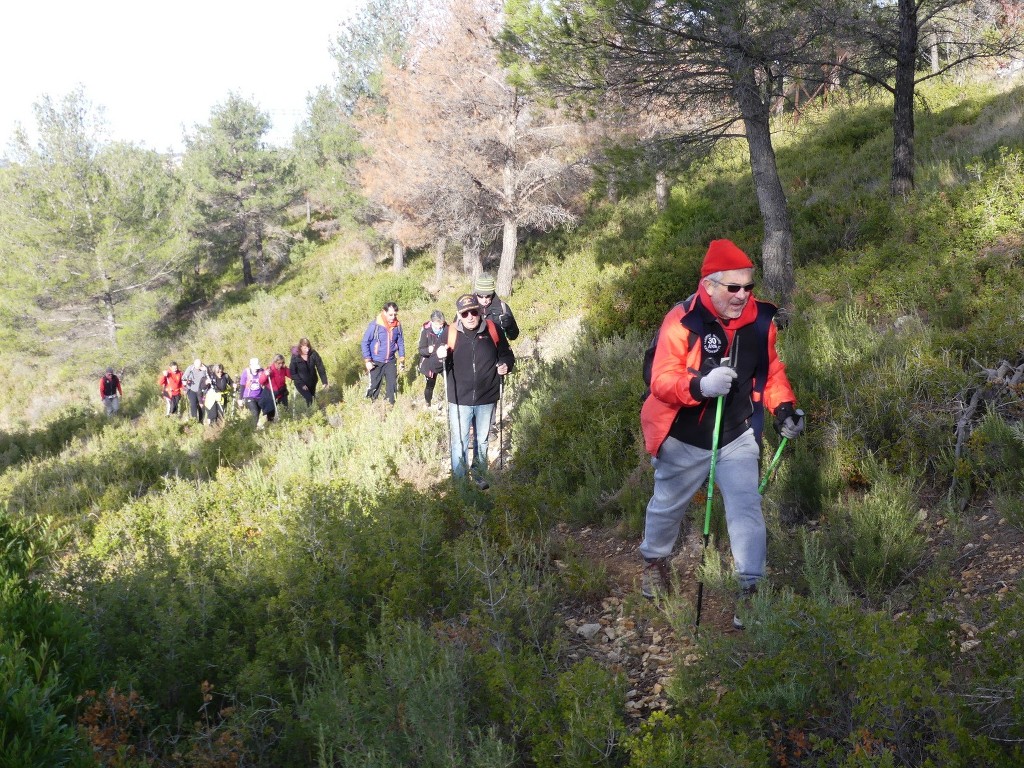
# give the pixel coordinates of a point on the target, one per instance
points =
(629, 634)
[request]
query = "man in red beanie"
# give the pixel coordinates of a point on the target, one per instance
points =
(689, 373)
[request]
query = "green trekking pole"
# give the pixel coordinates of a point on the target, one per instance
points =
(707, 511)
(771, 467)
(777, 457)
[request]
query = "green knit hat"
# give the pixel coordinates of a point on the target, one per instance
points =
(484, 285)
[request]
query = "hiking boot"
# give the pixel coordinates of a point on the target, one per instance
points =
(482, 484)
(743, 604)
(654, 581)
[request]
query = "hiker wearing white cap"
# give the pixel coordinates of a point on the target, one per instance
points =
(254, 385)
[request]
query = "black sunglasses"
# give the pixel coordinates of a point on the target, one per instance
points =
(470, 313)
(735, 287)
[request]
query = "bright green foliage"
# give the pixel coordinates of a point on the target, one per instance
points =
(825, 686)
(326, 148)
(995, 456)
(237, 190)
(405, 291)
(876, 537)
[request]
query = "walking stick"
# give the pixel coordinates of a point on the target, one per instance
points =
(707, 511)
(501, 423)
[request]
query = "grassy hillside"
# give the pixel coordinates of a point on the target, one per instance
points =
(321, 592)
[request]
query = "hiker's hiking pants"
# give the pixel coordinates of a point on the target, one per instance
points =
(389, 373)
(460, 418)
(680, 470)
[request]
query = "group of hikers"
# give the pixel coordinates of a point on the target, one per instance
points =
(702, 418)
(472, 355)
(209, 389)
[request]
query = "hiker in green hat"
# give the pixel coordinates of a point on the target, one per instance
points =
(493, 308)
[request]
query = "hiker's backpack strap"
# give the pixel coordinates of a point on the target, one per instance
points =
(492, 330)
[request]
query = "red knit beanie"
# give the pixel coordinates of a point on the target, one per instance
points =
(722, 256)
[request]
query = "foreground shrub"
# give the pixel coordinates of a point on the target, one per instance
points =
(576, 426)
(875, 537)
(43, 653)
(407, 702)
(820, 685)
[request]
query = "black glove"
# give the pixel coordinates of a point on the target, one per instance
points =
(789, 421)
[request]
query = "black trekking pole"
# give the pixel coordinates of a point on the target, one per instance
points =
(501, 423)
(707, 511)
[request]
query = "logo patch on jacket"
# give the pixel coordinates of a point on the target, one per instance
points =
(712, 344)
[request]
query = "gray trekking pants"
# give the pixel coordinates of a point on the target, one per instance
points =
(679, 471)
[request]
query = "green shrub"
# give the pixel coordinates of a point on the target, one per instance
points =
(402, 289)
(875, 536)
(407, 702)
(826, 685)
(995, 456)
(576, 425)
(44, 656)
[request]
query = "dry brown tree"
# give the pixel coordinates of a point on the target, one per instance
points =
(463, 153)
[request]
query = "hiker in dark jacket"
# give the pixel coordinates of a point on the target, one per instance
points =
(493, 308)
(305, 366)
(430, 366)
(383, 349)
(110, 392)
(221, 387)
(476, 356)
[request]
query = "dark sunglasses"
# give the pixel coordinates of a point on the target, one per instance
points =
(470, 313)
(735, 287)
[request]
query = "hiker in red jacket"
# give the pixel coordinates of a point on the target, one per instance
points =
(720, 343)
(110, 392)
(279, 378)
(170, 387)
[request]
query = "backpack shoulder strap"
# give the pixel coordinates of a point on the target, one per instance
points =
(492, 329)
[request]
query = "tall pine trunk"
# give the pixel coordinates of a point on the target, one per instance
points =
(661, 189)
(777, 249)
(471, 257)
(509, 244)
(903, 102)
(398, 255)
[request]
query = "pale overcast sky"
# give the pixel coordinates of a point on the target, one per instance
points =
(157, 68)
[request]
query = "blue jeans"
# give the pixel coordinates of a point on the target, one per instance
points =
(680, 470)
(460, 417)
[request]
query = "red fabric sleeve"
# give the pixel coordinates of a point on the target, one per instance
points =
(778, 389)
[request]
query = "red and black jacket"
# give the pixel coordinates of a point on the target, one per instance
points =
(692, 341)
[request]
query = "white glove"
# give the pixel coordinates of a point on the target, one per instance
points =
(718, 382)
(442, 352)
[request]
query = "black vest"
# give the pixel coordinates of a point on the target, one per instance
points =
(743, 407)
